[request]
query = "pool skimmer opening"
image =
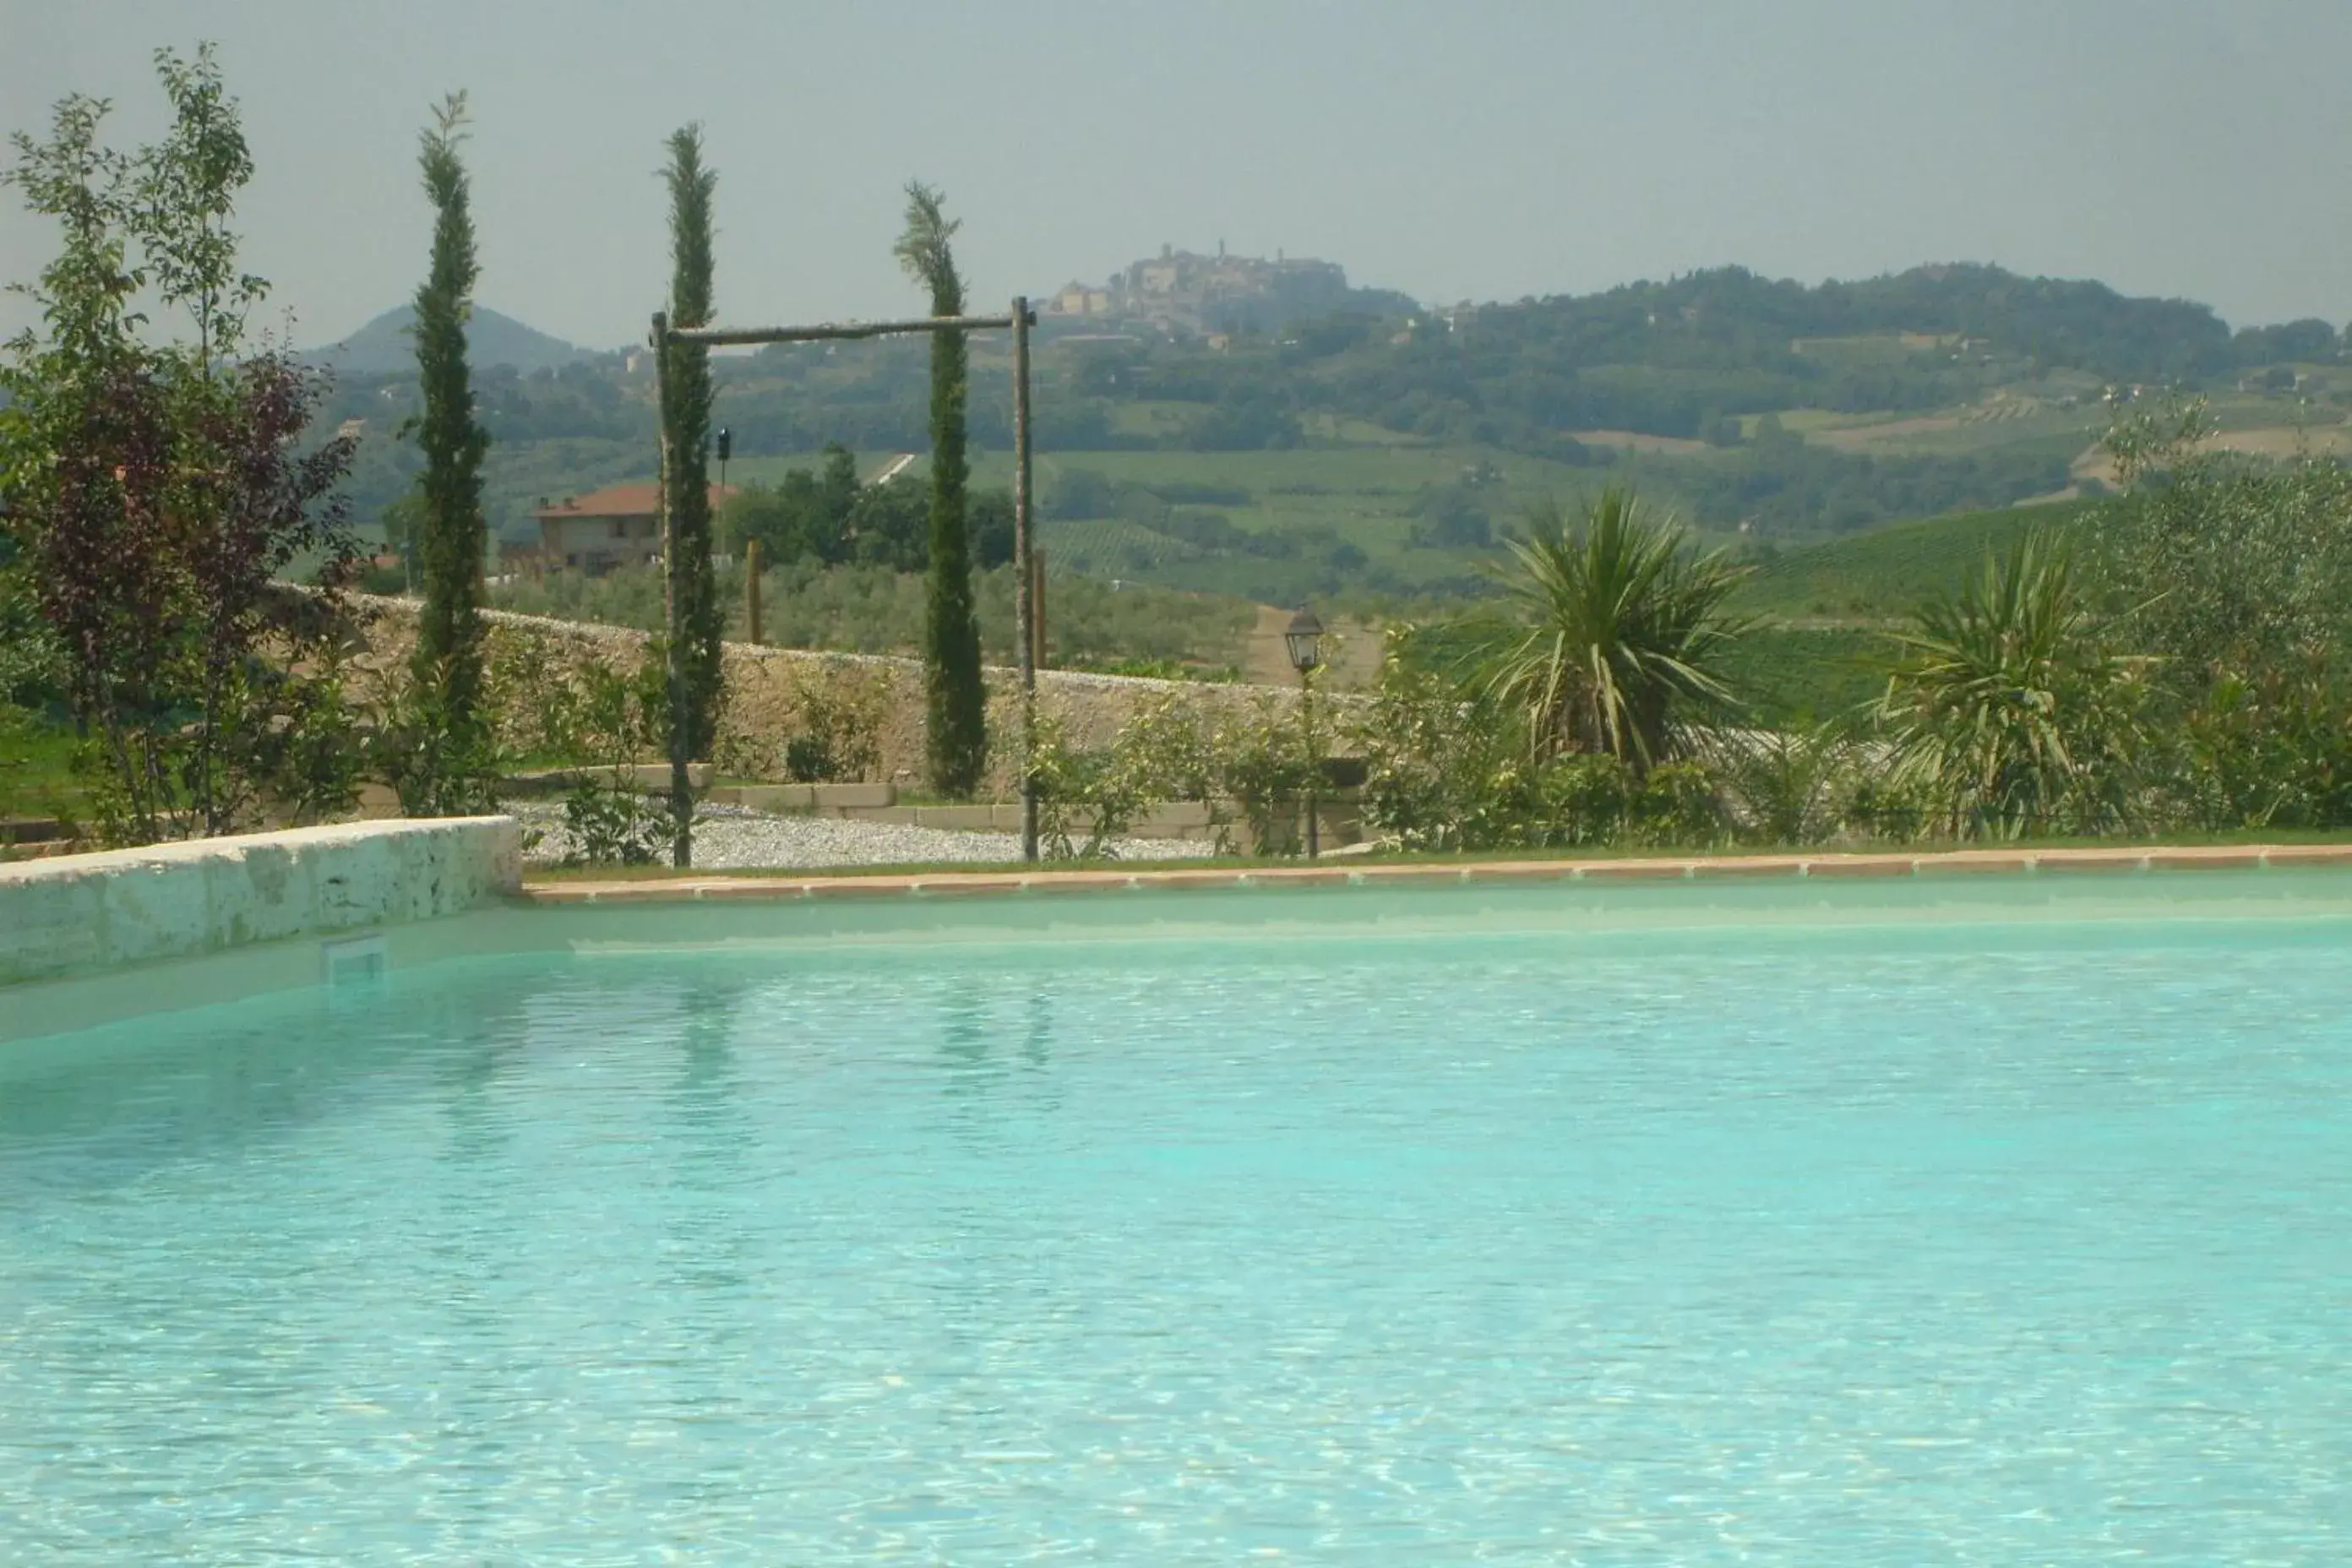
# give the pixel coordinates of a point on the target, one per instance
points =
(355, 967)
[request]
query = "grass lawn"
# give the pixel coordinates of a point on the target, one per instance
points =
(37, 777)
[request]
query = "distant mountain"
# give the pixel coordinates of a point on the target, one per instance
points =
(383, 344)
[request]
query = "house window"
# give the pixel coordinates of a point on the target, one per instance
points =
(620, 528)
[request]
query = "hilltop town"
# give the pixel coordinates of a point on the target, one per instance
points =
(1184, 293)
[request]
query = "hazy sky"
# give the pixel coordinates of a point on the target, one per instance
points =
(1461, 150)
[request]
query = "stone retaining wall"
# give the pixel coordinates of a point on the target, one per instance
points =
(76, 914)
(770, 691)
(1339, 813)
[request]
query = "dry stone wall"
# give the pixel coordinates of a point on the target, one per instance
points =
(772, 693)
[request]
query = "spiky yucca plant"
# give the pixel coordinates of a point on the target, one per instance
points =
(1623, 632)
(2008, 709)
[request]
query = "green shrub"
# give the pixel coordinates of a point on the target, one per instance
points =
(1443, 766)
(580, 710)
(1262, 761)
(1890, 807)
(1162, 754)
(612, 825)
(1448, 768)
(838, 715)
(1783, 786)
(2269, 751)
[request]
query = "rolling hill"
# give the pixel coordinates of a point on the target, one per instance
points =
(1878, 577)
(1820, 647)
(384, 347)
(1349, 459)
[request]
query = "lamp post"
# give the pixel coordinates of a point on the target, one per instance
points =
(1304, 639)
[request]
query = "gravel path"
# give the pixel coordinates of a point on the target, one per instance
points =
(728, 838)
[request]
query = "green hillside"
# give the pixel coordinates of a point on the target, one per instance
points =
(1805, 675)
(1877, 577)
(1382, 460)
(1821, 647)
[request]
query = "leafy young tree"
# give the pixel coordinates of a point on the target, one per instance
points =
(698, 619)
(1622, 634)
(805, 517)
(2237, 575)
(269, 691)
(156, 498)
(2010, 710)
(956, 733)
(443, 763)
(783, 519)
(2233, 566)
(183, 197)
(837, 489)
(402, 528)
(892, 525)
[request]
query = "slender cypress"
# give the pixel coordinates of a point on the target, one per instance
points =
(956, 733)
(699, 621)
(449, 769)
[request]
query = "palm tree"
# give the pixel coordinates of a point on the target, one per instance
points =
(1622, 634)
(2008, 711)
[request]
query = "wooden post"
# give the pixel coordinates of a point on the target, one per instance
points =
(681, 794)
(1029, 578)
(751, 584)
(1024, 597)
(1037, 608)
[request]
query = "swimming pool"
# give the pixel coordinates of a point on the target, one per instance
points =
(1750, 1225)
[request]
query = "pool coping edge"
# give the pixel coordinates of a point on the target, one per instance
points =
(2119, 860)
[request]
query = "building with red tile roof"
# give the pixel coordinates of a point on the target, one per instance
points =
(619, 525)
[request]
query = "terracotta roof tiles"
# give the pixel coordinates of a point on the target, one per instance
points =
(639, 499)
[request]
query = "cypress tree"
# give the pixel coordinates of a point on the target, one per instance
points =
(449, 769)
(956, 732)
(699, 623)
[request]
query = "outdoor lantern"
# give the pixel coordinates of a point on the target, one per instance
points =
(1304, 637)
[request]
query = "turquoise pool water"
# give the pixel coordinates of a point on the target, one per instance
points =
(1417, 1242)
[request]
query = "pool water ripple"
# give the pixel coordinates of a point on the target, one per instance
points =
(1964, 1250)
